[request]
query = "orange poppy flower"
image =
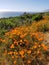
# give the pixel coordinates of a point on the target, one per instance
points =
(21, 52)
(42, 44)
(35, 47)
(10, 52)
(14, 62)
(12, 57)
(29, 51)
(12, 46)
(21, 41)
(29, 61)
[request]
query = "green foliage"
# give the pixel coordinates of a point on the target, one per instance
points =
(26, 19)
(37, 17)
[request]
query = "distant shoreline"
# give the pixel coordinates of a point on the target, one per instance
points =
(7, 14)
(14, 14)
(10, 14)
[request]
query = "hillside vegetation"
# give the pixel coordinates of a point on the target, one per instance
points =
(22, 40)
(7, 24)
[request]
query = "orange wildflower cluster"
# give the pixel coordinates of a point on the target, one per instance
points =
(24, 44)
(44, 47)
(2, 40)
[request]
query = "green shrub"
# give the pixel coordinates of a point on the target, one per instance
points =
(38, 17)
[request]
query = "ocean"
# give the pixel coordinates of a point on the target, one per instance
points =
(10, 14)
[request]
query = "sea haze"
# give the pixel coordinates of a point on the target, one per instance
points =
(10, 14)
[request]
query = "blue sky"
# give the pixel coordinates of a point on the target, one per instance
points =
(24, 5)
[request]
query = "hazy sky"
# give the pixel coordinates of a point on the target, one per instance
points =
(24, 5)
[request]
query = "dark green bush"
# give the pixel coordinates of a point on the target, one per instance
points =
(38, 17)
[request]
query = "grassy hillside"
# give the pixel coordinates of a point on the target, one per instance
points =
(22, 40)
